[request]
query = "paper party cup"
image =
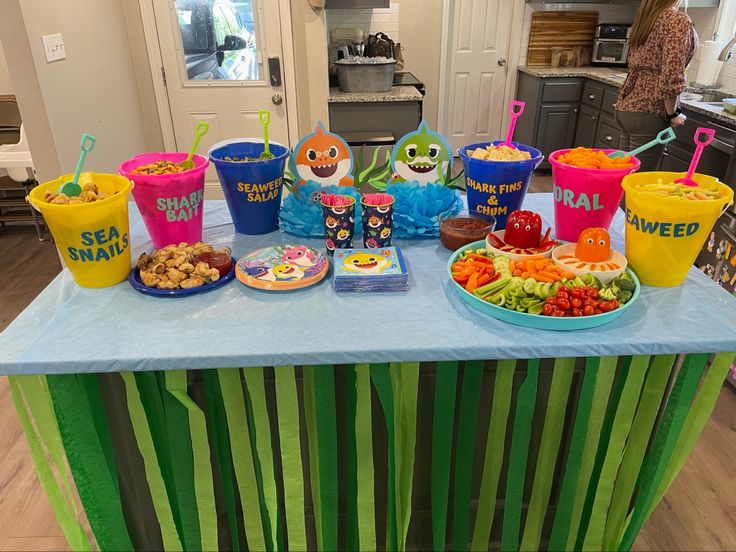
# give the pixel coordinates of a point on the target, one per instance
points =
(339, 215)
(496, 188)
(252, 188)
(665, 234)
(170, 204)
(585, 198)
(377, 211)
(93, 238)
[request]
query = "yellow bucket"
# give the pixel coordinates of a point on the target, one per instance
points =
(93, 238)
(665, 234)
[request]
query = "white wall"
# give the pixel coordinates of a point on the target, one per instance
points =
(94, 89)
(6, 87)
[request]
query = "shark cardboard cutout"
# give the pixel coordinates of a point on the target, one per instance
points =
(322, 157)
(422, 156)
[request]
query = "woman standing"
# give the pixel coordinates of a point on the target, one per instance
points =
(661, 44)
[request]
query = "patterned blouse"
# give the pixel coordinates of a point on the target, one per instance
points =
(657, 68)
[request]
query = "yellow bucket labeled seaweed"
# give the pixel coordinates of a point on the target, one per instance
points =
(664, 234)
(93, 238)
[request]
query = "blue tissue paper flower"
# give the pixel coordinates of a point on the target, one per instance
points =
(301, 213)
(417, 207)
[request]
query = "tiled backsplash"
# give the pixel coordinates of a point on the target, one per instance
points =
(704, 20)
(373, 20)
(618, 13)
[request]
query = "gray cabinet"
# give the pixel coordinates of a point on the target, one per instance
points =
(608, 135)
(587, 126)
(552, 107)
(556, 126)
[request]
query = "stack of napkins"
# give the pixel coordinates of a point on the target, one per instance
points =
(381, 269)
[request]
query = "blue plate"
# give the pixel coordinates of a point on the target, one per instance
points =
(135, 280)
(536, 321)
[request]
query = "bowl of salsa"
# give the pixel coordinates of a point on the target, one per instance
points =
(464, 227)
(221, 259)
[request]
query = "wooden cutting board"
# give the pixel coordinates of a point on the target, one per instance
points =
(559, 29)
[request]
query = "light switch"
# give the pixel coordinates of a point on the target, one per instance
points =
(53, 46)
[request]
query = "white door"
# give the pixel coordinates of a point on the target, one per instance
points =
(216, 57)
(478, 44)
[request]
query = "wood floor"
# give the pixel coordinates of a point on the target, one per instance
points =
(698, 512)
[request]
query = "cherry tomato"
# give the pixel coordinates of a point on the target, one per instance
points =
(598, 311)
(562, 294)
(577, 312)
(563, 303)
(593, 293)
(588, 310)
(558, 313)
(547, 309)
(578, 293)
(606, 306)
(576, 302)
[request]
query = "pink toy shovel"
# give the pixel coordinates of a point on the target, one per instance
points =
(516, 108)
(709, 133)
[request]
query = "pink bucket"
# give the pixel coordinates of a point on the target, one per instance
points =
(170, 204)
(585, 198)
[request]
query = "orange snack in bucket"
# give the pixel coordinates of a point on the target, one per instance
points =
(586, 158)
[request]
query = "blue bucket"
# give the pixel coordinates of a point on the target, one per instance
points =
(252, 189)
(497, 187)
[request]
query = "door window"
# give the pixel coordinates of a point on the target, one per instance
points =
(218, 39)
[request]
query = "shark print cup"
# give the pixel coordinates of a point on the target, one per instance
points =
(339, 213)
(378, 214)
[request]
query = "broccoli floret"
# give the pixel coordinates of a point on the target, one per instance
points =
(591, 280)
(607, 293)
(623, 296)
(624, 284)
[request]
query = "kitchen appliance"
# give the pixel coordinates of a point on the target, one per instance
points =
(611, 44)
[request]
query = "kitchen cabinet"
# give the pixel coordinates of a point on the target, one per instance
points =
(587, 125)
(551, 116)
(608, 135)
(556, 126)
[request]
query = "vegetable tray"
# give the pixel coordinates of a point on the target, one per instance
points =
(536, 321)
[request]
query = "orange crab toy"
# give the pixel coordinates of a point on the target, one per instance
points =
(594, 245)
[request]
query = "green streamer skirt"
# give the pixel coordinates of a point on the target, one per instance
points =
(552, 454)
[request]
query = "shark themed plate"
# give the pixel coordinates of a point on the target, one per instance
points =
(282, 267)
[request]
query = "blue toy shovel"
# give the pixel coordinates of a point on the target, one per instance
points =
(664, 137)
(73, 188)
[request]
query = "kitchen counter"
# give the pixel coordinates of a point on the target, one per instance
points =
(615, 77)
(397, 94)
(612, 76)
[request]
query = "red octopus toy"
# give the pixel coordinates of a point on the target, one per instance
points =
(523, 234)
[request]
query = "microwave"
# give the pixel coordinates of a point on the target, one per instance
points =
(611, 44)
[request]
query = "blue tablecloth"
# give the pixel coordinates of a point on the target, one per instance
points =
(68, 329)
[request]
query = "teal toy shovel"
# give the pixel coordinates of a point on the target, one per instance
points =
(664, 137)
(265, 116)
(73, 188)
(200, 131)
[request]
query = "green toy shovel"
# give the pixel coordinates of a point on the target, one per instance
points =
(265, 116)
(73, 188)
(664, 137)
(200, 131)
